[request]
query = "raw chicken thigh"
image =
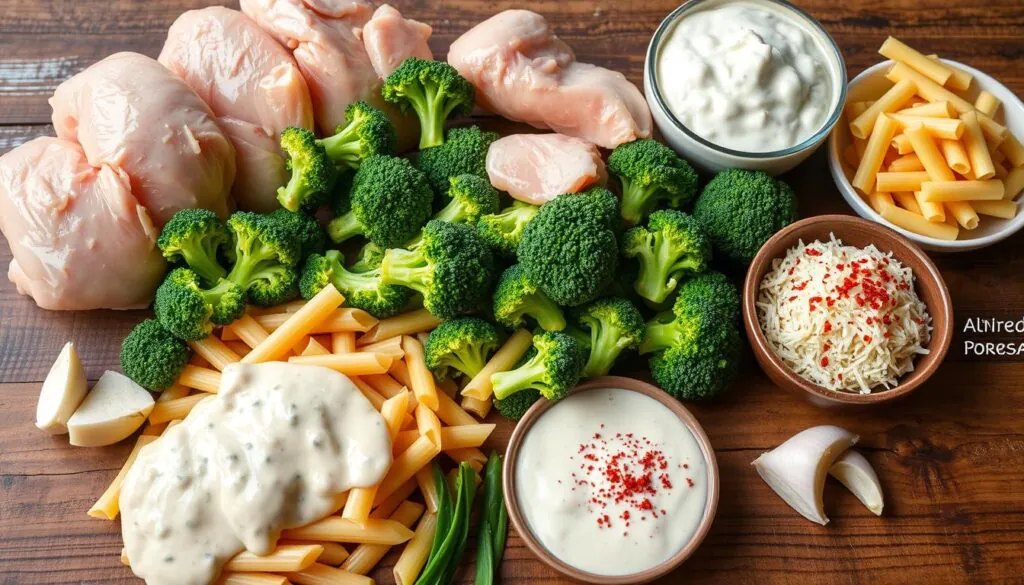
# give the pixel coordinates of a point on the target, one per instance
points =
(390, 39)
(536, 168)
(131, 113)
(79, 238)
(253, 86)
(523, 72)
(326, 41)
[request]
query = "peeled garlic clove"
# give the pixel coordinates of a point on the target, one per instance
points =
(796, 469)
(855, 472)
(62, 392)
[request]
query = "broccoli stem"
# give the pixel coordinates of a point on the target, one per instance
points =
(406, 268)
(292, 195)
(454, 212)
(470, 359)
(606, 343)
(659, 336)
(637, 201)
(432, 116)
(547, 314)
(525, 376)
(248, 266)
(204, 262)
(343, 148)
(656, 281)
(344, 227)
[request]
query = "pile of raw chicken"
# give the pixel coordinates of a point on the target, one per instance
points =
(139, 139)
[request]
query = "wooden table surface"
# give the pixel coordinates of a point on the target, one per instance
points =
(951, 457)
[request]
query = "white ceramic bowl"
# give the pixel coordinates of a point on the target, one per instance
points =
(872, 83)
(711, 157)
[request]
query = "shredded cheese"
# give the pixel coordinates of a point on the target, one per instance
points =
(842, 317)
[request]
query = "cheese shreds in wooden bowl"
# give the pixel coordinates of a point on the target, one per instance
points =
(842, 317)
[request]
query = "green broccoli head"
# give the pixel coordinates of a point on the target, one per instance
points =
(741, 209)
(266, 254)
(703, 374)
(460, 345)
(651, 173)
(189, 311)
(366, 132)
(465, 152)
(196, 237)
(304, 228)
(516, 297)
(671, 247)
(615, 325)
(515, 406)
(362, 290)
(569, 250)
(389, 203)
(152, 356)
(710, 293)
(503, 230)
(432, 89)
(469, 197)
(312, 172)
(450, 265)
(552, 367)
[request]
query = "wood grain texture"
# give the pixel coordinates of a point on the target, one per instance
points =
(951, 456)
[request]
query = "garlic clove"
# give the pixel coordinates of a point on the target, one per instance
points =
(796, 470)
(855, 472)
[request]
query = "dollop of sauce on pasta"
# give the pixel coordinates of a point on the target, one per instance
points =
(272, 450)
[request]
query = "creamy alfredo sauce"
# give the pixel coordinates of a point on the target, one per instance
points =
(747, 76)
(271, 451)
(611, 481)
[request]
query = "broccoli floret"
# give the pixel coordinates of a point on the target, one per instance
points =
(650, 173)
(190, 311)
(503, 230)
(389, 203)
(362, 290)
(516, 297)
(712, 293)
(697, 345)
(601, 203)
(152, 356)
(741, 209)
(463, 345)
(672, 246)
(367, 131)
(553, 368)
(514, 407)
(615, 325)
(266, 254)
(450, 265)
(702, 375)
(469, 197)
(304, 228)
(434, 90)
(465, 152)
(368, 258)
(196, 237)
(312, 172)
(569, 250)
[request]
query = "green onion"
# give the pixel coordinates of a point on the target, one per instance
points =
(493, 524)
(450, 538)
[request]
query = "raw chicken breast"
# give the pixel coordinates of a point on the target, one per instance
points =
(523, 72)
(253, 86)
(390, 39)
(325, 39)
(131, 113)
(536, 168)
(79, 238)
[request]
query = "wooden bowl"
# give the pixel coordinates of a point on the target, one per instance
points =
(853, 232)
(655, 572)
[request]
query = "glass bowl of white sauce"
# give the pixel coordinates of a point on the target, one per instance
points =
(616, 484)
(752, 84)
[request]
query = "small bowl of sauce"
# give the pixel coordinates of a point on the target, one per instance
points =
(616, 484)
(754, 84)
